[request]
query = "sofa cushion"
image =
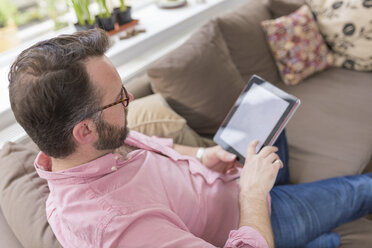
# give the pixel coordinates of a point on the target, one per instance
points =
(330, 134)
(7, 237)
(199, 80)
(23, 195)
(297, 46)
(246, 41)
(283, 7)
(347, 28)
(356, 234)
(151, 115)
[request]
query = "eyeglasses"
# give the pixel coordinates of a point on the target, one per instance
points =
(123, 100)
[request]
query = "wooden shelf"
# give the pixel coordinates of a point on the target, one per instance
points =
(123, 27)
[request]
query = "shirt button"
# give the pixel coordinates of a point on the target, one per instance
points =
(113, 168)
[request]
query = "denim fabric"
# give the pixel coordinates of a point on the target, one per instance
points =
(301, 213)
(283, 174)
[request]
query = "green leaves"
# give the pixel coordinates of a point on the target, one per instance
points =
(104, 12)
(89, 17)
(123, 6)
(82, 12)
(79, 11)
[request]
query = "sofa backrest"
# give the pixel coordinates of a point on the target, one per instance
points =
(283, 7)
(202, 78)
(246, 41)
(198, 79)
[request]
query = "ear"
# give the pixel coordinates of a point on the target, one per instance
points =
(84, 132)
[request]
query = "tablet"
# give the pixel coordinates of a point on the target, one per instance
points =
(261, 112)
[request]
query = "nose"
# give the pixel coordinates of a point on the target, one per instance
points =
(131, 97)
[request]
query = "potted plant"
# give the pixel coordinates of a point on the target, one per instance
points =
(123, 13)
(85, 19)
(105, 19)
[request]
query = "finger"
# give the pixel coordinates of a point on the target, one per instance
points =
(225, 156)
(251, 150)
(272, 157)
(227, 167)
(237, 164)
(276, 169)
(232, 171)
(267, 150)
(279, 163)
(230, 165)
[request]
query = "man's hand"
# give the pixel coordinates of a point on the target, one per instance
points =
(217, 159)
(260, 170)
(214, 158)
(256, 180)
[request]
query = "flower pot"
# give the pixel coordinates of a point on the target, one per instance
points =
(79, 27)
(123, 17)
(106, 24)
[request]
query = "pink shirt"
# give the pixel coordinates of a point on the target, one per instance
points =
(154, 197)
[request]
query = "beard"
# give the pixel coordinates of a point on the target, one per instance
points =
(110, 137)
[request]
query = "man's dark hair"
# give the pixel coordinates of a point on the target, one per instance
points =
(50, 90)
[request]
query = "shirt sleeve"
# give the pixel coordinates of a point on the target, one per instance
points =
(159, 231)
(246, 237)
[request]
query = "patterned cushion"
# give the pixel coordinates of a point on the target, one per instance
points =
(297, 46)
(347, 28)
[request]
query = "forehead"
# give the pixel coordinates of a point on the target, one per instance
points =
(104, 77)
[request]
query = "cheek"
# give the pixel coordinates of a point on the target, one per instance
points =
(116, 116)
(121, 117)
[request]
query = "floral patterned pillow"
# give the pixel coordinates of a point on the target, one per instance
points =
(297, 46)
(347, 28)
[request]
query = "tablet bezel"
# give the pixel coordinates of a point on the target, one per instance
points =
(292, 106)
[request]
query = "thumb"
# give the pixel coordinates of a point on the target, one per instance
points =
(225, 156)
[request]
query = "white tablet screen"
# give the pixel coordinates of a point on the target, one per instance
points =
(258, 113)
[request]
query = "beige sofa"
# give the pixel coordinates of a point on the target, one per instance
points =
(330, 135)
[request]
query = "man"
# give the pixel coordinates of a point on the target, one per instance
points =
(69, 98)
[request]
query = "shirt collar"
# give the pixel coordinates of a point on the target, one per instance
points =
(106, 164)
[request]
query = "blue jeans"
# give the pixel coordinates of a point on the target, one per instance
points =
(303, 215)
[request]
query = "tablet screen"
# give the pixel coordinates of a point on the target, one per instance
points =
(258, 109)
